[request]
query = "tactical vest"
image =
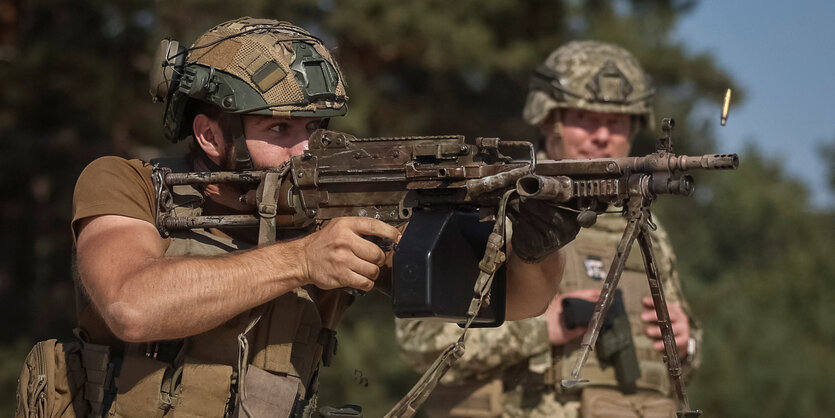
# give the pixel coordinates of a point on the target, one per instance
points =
(268, 355)
(588, 259)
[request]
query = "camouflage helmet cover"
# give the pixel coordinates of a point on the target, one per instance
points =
(258, 67)
(590, 75)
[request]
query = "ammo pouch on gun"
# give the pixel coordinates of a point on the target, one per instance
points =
(614, 344)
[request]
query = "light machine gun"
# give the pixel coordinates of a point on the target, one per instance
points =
(442, 186)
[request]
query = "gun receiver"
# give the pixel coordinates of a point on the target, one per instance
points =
(390, 179)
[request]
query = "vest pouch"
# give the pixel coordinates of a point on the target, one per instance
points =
(479, 399)
(267, 395)
(139, 387)
(204, 390)
(51, 383)
(610, 403)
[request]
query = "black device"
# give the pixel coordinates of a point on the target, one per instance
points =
(614, 345)
(435, 267)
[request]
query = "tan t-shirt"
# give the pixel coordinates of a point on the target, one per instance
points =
(114, 186)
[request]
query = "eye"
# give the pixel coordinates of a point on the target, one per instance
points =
(314, 125)
(280, 128)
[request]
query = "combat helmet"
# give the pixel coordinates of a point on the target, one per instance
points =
(247, 66)
(590, 75)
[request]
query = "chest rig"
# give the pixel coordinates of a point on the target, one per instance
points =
(263, 362)
(588, 260)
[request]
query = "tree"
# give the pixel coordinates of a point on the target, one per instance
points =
(754, 257)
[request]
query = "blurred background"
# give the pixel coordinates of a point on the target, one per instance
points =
(754, 246)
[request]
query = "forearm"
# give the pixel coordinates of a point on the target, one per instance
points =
(530, 287)
(487, 351)
(174, 297)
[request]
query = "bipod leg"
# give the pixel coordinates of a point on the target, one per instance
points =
(607, 293)
(660, 303)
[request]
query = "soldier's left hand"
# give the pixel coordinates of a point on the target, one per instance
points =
(539, 228)
(678, 320)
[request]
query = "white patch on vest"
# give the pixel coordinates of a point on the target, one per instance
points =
(594, 268)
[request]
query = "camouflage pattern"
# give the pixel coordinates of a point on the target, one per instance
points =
(590, 75)
(519, 352)
(259, 67)
(422, 341)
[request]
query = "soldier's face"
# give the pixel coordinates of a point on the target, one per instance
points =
(272, 141)
(588, 134)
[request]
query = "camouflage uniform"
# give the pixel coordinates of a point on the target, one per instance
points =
(518, 354)
(513, 370)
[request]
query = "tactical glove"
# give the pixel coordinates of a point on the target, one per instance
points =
(539, 228)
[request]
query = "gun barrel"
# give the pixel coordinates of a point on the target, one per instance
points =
(707, 162)
(241, 177)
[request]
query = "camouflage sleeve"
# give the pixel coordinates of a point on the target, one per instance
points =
(487, 350)
(667, 265)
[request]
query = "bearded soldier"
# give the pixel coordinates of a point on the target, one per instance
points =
(588, 99)
(208, 322)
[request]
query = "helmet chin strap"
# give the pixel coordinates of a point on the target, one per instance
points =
(243, 161)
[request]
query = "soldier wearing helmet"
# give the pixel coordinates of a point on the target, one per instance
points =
(228, 322)
(588, 100)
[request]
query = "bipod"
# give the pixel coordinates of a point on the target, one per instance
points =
(638, 221)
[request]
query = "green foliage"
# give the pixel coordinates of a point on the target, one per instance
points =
(12, 354)
(754, 258)
(828, 154)
(756, 263)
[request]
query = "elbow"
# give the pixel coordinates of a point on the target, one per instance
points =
(528, 312)
(128, 322)
(540, 311)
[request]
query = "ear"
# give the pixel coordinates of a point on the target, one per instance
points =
(209, 137)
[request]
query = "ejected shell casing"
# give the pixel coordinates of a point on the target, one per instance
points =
(726, 106)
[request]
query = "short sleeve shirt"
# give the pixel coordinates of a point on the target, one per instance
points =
(114, 186)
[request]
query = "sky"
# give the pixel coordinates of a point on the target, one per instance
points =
(783, 54)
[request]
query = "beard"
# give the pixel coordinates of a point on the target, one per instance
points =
(227, 160)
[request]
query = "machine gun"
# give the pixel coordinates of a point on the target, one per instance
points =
(432, 181)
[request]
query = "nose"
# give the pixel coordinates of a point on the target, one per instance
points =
(299, 147)
(601, 134)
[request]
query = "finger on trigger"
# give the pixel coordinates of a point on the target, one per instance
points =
(377, 228)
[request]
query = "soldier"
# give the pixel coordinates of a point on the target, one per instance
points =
(588, 99)
(207, 322)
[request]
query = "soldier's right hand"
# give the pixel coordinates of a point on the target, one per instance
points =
(338, 256)
(558, 334)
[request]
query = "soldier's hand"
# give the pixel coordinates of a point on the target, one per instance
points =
(539, 228)
(678, 319)
(558, 334)
(338, 256)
